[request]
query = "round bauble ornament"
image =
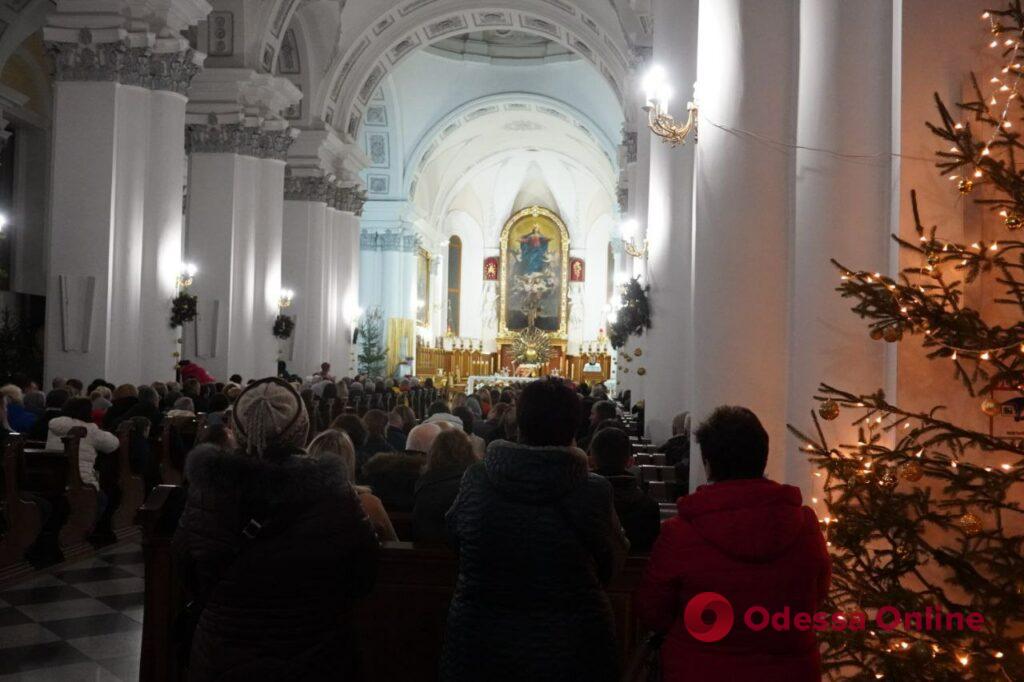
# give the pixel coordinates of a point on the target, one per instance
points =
(876, 334)
(892, 334)
(641, 371)
(886, 478)
(638, 352)
(970, 524)
(912, 471)
(828, 410)
(990, 407)
(1013, 221)
(965, 186)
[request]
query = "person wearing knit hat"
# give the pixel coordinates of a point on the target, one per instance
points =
(270, 417)
(275, 548)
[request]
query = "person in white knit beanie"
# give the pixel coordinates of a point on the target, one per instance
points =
(269, 417)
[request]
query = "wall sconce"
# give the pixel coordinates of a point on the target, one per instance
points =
(284, 300)
(661, 123)
(629, 229)
(187, 275)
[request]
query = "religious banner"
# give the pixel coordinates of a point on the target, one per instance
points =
(491, 269)
(534, 273)
(577, 270)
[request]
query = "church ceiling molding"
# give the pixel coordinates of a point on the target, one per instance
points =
(503, 105)
(355, 74)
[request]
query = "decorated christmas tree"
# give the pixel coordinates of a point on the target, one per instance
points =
(924, 515)
(373, 356)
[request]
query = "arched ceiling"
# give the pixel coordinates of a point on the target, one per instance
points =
(502, 46)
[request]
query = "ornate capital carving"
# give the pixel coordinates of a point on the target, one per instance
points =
(235, 138)
(351, 199)
(306, 189)
(622, 194)
(390, 241)
(116, 62)
(410, 242)
(368, 241)
(629, 144)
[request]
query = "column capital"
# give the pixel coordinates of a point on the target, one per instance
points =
(321, 149)
(132, 42)
(214, 137)
(241, 96)
(307, 188)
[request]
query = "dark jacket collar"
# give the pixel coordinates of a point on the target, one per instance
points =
(536, 474)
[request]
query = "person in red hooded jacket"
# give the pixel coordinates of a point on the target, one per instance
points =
(190, 370)
(748, 539)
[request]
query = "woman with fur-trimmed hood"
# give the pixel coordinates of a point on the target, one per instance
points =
(275, 549)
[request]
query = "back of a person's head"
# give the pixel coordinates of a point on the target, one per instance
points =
(610, 449)
(78, 408)
(451, 449)
(56, 398)
(160, 388)
(547, 413)
(126, 391)
(467, 417)
(583, 389)
(604, 409)
(376, 422)
(75, 387)
(148, 395)
(458, 400)
(58, 382)
(353, 426)
(185, 404)
(438, 407)
(12, 393)
(235, 379)
(422, 437)
(408, 417)
(191, 387)
(270, 420)
(599, 392)
(733, 443)
(498, 412)
(336, 443)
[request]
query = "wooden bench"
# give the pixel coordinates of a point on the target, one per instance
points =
(400, 624)
(21, 517)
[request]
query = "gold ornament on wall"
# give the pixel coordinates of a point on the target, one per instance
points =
(638, 352)
(912, 471)
(1013, 221)
(641, 371)
(970, 524)
(965, 186)
(828, 410)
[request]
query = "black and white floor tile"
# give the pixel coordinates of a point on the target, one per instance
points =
(82, 623)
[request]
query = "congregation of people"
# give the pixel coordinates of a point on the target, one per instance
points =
(293, 484)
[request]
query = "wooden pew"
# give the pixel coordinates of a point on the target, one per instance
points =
(183, 430)
(133, 489)
(21, 516)
(81, 497)
(400, 624)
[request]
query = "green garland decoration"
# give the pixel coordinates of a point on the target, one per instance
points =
(634, 315)
(183, 309)
(284, 325)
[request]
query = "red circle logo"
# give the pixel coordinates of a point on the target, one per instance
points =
(721, 617)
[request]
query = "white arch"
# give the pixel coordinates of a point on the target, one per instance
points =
(354, 75)
(493, 104)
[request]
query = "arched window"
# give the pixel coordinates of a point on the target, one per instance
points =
(454, 283)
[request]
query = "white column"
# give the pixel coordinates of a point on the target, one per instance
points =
(162, 238)
(668, 347)
(112, 231)
(345, 303)
(267, 291)
(304, 258)
(392, 275)
(235, 213)
(842, 205)
(742, 241)
(371, 271)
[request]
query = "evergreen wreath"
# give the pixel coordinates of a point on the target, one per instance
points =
(183, 309)
(634, 315)
(284, 325)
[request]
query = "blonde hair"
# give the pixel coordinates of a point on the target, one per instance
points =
(452, 448)
(336, 443)
(12, 393)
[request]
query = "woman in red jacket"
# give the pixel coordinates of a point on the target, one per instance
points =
(749, 540)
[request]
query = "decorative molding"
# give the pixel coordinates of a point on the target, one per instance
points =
(410, 243)
(622, 194)
(117, 62)
(306, 188)
(629, 141)
(351, 199)
(235, 138)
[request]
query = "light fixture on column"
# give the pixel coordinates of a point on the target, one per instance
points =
(284, 299)
(628, 229)
(186, 275)
(3, 222)
(661, 123)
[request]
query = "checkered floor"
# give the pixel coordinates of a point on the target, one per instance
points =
(83, 622)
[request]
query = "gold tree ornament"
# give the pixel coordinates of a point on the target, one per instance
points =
(965, 186)
(638, 352)
(970, 524)
(641, 371)
(912, 471)
(1013, 221)
(876, 334)
(829, 410)
(892, 334)
(990, 407)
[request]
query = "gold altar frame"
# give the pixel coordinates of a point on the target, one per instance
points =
(504, 332)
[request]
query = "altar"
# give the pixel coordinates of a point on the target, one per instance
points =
(494, 381)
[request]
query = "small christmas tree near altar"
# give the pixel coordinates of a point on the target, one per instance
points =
(373, 356)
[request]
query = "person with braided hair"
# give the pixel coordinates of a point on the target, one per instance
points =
(275, 549)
